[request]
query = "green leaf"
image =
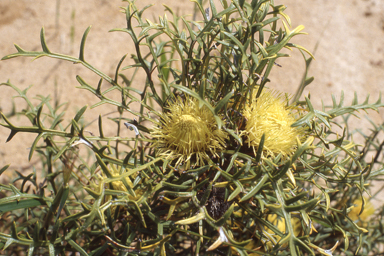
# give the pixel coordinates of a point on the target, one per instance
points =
(11, 135)
(101, 127)
(213, 8)
(100, 251)
(51, 249)
(118, 67)
(34, 144)
(192, 219)
(234, 135)
(309, 204)
(259, 152)
(237, 191)
(82, 44)
(80, 113)
(21, 204)
(38, 117)
(103, 166)
(64, 148)
(296, 198)
(223, 102)
(63, 200)
(4, 168)
(36, 233)
(226, 215)
(240, 45)
(77, 247)
(255, 189)
(43, 42)
(191, 32)
(230, 9)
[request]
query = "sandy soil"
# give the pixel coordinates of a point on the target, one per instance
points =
(349, 35)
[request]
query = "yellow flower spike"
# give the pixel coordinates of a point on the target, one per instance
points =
(269, 115)
(188, 131)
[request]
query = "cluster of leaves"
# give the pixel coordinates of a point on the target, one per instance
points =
(132, 202)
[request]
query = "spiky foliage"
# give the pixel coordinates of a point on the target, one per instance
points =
(199, 176)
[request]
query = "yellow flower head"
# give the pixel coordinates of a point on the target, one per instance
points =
(369, 209)
(188, 131)
(269, 115)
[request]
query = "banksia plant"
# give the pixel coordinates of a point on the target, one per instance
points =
(218, 162)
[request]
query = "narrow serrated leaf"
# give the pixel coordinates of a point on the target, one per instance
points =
(191, 220)
(4, 168)
(63, 199)
(223, 102)
(11, 135)
(311, 203)
(21, 204)
(77, 247)
(82, 45)
(255, 189)
(34, 144)
(80, 113)
(43, 41)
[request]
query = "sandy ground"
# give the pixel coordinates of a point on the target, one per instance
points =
(349, 55)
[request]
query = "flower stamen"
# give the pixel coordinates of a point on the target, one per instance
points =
(188, 131)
